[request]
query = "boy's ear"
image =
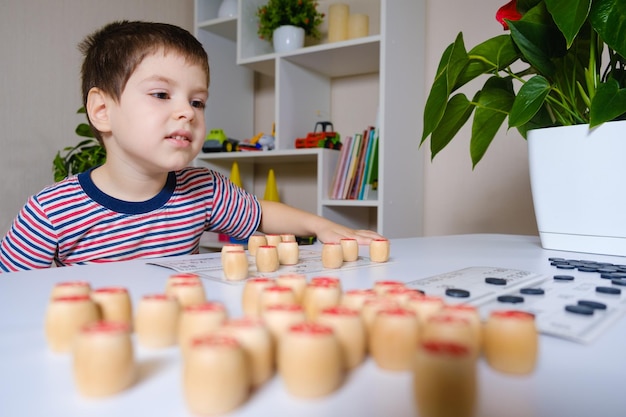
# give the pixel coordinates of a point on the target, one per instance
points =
(97, 109)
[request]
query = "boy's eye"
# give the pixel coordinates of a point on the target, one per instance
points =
(199, 104)
(160, 95)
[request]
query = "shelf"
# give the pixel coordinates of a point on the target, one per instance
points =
(225, 27)
(321, 79)
(350, 203)
(352, 57)
(267, 157)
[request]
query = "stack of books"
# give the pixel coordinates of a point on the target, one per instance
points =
(356, 175)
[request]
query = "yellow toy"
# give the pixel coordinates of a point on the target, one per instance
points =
(271, 190)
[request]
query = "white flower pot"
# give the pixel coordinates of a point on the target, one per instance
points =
(288, 38)
(577, 178)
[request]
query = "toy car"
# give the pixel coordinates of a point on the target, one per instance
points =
(322, 139)
(216, 141)
(259, 142)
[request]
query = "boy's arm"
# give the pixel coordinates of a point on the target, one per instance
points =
(281, 218)
(31, 241)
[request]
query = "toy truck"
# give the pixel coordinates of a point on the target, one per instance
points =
(322, 139)
(216, 141)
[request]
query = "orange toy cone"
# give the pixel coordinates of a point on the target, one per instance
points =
(271, 190)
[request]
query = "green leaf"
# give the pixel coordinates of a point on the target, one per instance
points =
(435, 105)
(450, 66)
(488, 57)
(540, 120)
(458, 110)
(569, 16)
(494, 102)
(529, 100)
(608, 18)
(457, 62)
(530, 38)
(608, 103)
(523, 6)
(84, 130)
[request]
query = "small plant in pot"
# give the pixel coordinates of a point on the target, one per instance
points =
(79, 158)
(299, 13)
(565, 58)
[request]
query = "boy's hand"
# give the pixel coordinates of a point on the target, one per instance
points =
(337, 232)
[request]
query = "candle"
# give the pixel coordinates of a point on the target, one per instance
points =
(338, 22)
(358, 25)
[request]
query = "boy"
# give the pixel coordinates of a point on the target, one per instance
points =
(144, 87)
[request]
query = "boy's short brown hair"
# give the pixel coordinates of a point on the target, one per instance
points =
(112, 53)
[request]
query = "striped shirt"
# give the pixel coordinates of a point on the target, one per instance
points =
(72, 222)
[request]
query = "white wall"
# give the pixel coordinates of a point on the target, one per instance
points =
(39, 94)
(40, 85)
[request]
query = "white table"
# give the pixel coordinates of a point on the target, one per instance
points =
(570, 380)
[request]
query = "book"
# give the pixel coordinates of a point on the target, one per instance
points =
(340, 170)
(356, 182)
(371, 180)
(356, 147)
(367, 163)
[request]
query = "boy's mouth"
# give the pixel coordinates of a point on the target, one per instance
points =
(179, 136)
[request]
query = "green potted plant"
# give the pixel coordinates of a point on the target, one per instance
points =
(84, 155)
(560, 71)
(301, 14)
(566, 56)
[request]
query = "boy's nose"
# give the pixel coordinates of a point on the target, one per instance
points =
(185, 111)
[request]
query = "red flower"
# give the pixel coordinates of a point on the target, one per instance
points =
(509, 12)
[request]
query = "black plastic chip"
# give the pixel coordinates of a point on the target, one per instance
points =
(457, 293)
(578, 309)
(532, 291)
(495, 281)
(592, 304)
(564, 277)
(514, 299)
(608, 290)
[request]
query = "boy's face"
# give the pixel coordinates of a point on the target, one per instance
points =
(158, 124)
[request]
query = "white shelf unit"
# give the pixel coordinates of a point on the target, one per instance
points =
(303, 87)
